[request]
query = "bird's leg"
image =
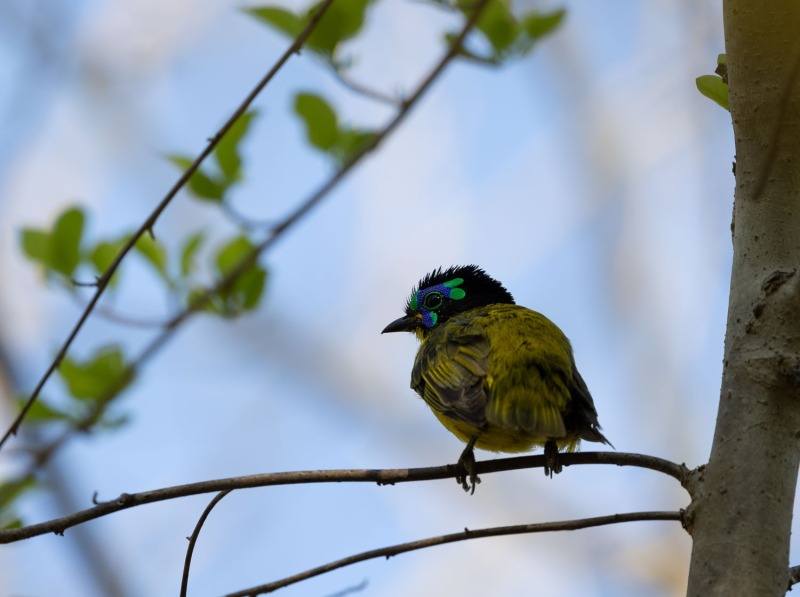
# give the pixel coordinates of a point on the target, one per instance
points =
(466, 463)
(551, 463)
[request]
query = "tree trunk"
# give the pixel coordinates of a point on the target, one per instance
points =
(741, 515)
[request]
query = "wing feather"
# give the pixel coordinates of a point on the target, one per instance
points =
(449, 374)
(509, 372)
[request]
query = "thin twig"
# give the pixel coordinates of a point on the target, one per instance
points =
(379, 476)
(148, 224)
(350, 590)
(362, 89)
(244, 221)
(200, 299)
(311, 202)
(467, 534)
(120, 318)
(193, 539)
(129, 320)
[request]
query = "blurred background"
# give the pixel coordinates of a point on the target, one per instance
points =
(591, 178)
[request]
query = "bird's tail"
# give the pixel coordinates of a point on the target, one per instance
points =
(592, 433)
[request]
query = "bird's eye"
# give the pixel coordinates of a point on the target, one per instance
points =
(433, 300)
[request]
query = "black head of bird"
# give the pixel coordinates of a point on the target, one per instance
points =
(443, 293)
(499, 376)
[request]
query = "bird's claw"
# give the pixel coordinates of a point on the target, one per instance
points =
(551, 463)
(466, 463)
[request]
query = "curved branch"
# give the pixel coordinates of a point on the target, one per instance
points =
(148, 224)
(379, 476)
(193, 539)
(393, 550)
(345, 79)
(202, 298)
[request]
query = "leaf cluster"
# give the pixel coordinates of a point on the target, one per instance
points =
(65, 253)
(510, 36)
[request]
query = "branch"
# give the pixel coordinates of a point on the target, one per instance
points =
(349, 590)
(379, 476)
(193, 539)
(148, 224)
(794, 577)
(353, 85)
(393, 550)
(202, 298)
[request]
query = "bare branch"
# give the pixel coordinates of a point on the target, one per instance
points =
(350, 590)
(193, 539)
(794, 577)
(245, 221)
(393, 550)
(148, 224)
(379, 476)
(129, 320)
(353, 85)
(202, 298)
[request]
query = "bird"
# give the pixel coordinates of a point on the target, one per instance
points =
(499, 376)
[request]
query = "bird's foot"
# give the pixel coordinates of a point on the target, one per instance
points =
(466, 463)
(551, 463)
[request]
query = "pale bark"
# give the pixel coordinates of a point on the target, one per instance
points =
(741, 514)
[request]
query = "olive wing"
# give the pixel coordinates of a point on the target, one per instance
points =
(531, 374)
(449, 374)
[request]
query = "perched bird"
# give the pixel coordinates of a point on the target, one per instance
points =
(498, 376)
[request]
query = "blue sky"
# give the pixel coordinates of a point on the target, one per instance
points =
(591, 178)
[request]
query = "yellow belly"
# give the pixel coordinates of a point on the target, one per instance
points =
(497, 439)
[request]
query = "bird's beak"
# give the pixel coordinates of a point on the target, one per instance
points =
(407, 323)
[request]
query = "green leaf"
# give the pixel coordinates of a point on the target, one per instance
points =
(65, 241)
(102, 376)
(210, 305)
(189, 251)
(154, 252)
(244, 293)
(11, 490)
(36, 245)
(538, 25)
(722, 67)
(57, 250)
(103, 255)
(714, 88)
(351, 141)
(450, 39)
(498, 25)
(508, 36)
(232, 253)
(248, 288)
(41, 412)
(322, 128)
(227, 151)
(11, 523)
(201, 185)
(341, 21)
(281, 19)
